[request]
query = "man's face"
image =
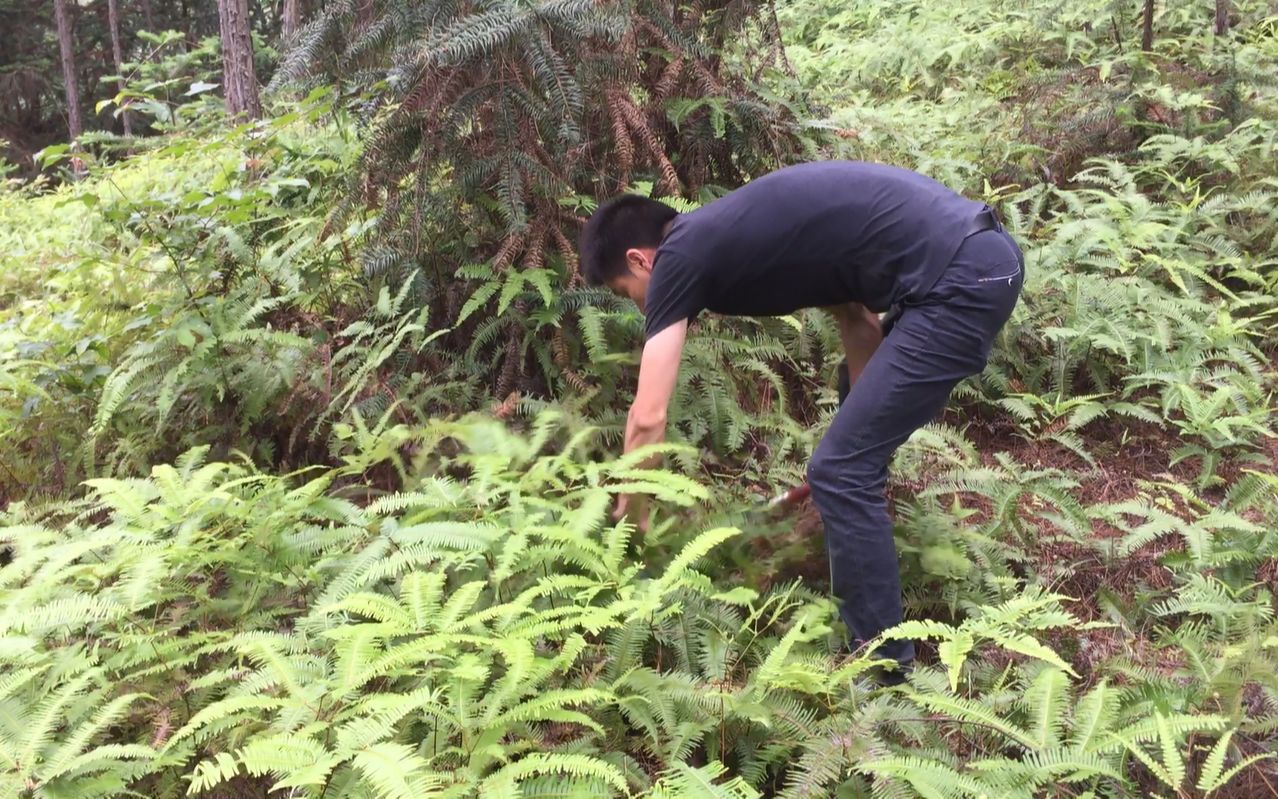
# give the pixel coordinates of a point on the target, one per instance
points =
(633, 282)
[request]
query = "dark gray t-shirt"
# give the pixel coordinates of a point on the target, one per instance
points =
(806, 236)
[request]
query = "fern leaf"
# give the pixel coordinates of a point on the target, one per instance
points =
(1093, 718)
(1046, 700)
(546, 763)
(1213, 776)
(696, 549)
(682, 781)
(397, 772)
(68, 755)
(973, 711)
(299, 761)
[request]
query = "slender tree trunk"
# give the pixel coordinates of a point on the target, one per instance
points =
(117, 52)
(1222, 17)
(148, 16)
(239, 78)
(291, 20)
(75, 123)
(1147, 34)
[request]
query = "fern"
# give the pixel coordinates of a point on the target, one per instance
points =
(704, 782)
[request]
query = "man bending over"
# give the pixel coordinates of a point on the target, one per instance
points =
(857, 239)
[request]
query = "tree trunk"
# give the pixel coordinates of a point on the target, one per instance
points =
(148, 16)
(1222, 17)
(75, 123)
(117, 52)
(239, 78)
(291, 20)
(1147, 34)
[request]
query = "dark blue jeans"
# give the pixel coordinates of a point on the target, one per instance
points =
(936, 341)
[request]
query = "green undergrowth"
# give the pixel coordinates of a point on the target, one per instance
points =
(291, 515)
(485, 631)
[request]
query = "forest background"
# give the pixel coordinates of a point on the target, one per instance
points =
(309, 426)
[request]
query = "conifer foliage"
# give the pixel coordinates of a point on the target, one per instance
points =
(520, 104)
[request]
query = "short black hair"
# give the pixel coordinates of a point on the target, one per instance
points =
(630, 220)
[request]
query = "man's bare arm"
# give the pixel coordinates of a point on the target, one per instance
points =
(861, 333)
(658, 374)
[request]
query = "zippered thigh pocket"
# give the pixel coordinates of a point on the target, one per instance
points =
(1009, 277)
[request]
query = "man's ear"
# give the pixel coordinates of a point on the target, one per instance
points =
(639, 261)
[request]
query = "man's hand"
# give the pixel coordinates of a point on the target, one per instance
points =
(646, 422)
(635, 507)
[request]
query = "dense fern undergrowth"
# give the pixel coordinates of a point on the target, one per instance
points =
(291, 514)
